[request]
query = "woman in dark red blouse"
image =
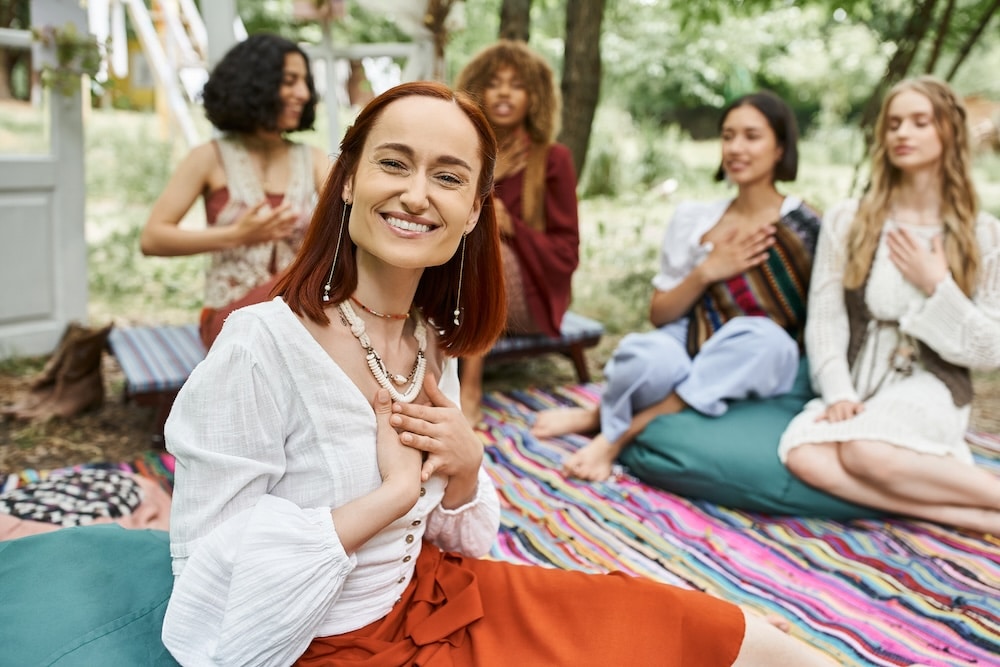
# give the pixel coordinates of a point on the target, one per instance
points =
(535, 195)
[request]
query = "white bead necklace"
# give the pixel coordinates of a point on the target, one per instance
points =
(377, 366)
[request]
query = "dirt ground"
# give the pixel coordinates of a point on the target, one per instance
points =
(120, 431)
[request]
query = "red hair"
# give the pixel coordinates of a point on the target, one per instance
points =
(483, 298)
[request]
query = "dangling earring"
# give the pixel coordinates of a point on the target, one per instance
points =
(461, 270)
(336, 253)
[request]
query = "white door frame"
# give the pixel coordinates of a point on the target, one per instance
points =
(43, 251)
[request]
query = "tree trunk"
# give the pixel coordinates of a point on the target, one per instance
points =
(515, 19)
(5, 70)
(908, 43)
(973, 37)
(581, 80)
(943, 27)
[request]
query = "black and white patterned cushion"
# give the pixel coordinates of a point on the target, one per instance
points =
(74, 499)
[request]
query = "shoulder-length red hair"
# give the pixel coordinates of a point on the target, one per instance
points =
(483, 299)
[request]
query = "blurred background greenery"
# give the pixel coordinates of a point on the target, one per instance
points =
(666, 69)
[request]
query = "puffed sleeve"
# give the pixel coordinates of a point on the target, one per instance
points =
(681, 250)
(827, 329)
(471, 528)
(257, 588)
(255, 574)
(964, 331)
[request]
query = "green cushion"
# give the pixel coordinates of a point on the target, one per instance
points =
(85, 596)
(733, 460)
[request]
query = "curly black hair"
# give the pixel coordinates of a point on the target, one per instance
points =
(242, 93)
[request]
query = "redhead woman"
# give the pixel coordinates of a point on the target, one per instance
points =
(334, 509)
(905, 302)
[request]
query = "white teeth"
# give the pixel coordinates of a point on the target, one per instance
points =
(408, 226)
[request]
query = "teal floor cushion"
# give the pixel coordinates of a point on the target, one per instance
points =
(85, 596)
(732, 460)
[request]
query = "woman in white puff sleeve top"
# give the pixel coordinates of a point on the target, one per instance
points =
(331, 502)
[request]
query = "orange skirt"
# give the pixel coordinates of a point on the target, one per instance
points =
(460, 612)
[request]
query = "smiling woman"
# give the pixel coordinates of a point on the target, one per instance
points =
(729, 301)
(317, 522)
(259, 187)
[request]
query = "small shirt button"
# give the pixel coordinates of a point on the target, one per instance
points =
(416, 523)
(406, 559)
(423, 492)
(401, 580)
(409, 539)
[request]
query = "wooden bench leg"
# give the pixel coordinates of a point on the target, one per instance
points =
(160, 402)
(575, 353)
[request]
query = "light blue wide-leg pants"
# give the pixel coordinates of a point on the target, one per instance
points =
(747, 356)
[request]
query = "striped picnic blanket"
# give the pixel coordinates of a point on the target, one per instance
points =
(868, 592)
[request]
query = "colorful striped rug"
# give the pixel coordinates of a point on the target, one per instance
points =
(866, 592)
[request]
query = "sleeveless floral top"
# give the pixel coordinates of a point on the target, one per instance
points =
(232, 273)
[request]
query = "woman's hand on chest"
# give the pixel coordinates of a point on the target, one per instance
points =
(439, 429)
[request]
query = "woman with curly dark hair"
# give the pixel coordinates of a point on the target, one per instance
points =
(259, 187)
(535, 194)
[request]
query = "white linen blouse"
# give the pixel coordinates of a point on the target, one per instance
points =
(269, 435)
(682, 249)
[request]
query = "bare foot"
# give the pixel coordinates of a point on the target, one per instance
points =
(560, 421)
(592, 462)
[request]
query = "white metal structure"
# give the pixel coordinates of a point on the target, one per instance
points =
(43, 253)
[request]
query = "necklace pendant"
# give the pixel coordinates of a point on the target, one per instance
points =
(400, 380)
(902, 359)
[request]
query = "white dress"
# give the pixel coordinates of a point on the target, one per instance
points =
(915, 411)
(269, 434)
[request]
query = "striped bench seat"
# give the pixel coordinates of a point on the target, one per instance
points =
(157, 360)
(577, 333)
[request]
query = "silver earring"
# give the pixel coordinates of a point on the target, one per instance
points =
(336, 253)
(461, 270)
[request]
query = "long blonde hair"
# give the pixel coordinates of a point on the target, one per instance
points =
(959, 203)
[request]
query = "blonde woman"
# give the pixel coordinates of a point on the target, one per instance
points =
(905, 300)
(535, 194)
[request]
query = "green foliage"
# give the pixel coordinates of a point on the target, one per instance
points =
(629, 157)
(666, 73)
(20, 366)
(148, 163)
(75, 54)
(359, 26)
(127, 284)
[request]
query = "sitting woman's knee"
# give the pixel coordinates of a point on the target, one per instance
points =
(871, 461)
(636, 353)
(806, 463)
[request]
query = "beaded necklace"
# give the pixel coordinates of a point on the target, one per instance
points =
(372, 311)
(377, 366)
